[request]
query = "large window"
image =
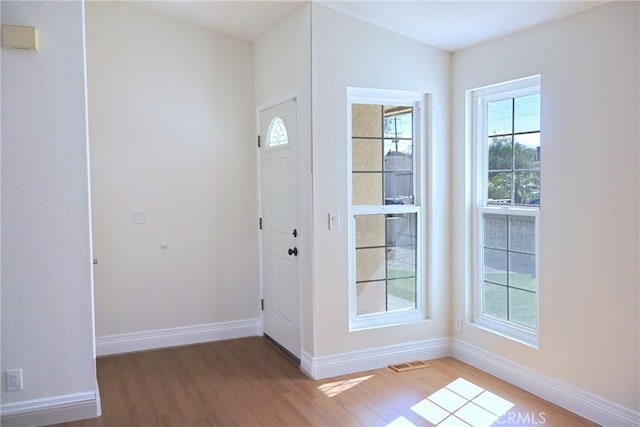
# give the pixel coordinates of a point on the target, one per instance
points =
(385, 219)
(507, 207)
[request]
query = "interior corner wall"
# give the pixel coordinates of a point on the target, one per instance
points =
(282, 70)
(47, 301)
(171, 132)
(589, 229)
(346, 53)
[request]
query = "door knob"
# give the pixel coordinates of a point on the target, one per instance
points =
(293, 251)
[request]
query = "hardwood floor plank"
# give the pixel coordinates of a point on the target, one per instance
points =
(367, 416)
(313, 414)
(337, 412)
(249, 382)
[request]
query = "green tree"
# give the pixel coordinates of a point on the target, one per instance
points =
(516, 164)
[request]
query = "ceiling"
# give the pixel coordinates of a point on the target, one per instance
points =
(448, 25)
(247, 20)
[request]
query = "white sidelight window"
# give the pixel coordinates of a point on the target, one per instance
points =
(385, 149)
(506, 207)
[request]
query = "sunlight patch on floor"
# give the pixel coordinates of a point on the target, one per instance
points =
(459, 403)
(335, 388)
(401, 422)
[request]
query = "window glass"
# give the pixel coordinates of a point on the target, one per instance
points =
(513, 158)
(527, 113)
(384, 216)
(500, 153)
(509, 260)
(386, 246)
(508, 205)
(382, 155)
(367, 155)
(277, 133)
(499, 118)
(366, 121)
(367, 188)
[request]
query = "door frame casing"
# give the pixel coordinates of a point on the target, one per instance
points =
(304, 252)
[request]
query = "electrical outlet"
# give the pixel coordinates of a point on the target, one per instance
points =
(14, 379)
(459, 323)
(138, 216)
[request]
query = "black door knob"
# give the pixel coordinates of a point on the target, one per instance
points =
(293, 251)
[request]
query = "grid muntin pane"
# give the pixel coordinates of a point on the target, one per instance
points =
(387, 111)
(508, 285)
(405, 146)
(391, 278)
(513, 170)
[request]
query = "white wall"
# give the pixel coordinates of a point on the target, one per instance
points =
(172, 126)
(348, 52)
(589, 229)
(47, 302)
(172, 132)
(283, 69)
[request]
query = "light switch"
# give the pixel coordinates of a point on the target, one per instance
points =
(138, 216)
(19, 37)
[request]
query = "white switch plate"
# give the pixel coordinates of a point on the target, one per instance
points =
(334, 221)
(138, 216)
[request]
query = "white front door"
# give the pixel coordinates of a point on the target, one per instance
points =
(279, 213)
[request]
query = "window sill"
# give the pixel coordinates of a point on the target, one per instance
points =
(375, 321)
(507, 330)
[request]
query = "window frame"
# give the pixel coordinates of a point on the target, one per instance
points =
(478, 112)
(420, 147)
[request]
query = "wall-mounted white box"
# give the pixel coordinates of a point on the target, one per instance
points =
(19, 37)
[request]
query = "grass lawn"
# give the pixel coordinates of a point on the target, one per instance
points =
(404, 288)
(522, 304)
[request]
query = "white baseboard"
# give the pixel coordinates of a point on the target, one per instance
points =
(374, 358)
(50, 410)
(161, 338)
(583, 403)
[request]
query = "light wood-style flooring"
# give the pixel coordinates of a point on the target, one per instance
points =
(249, 382)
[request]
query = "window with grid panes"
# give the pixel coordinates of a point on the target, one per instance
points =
(385, 227)
(507, 206)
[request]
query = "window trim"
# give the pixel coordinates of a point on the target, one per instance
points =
(420, 181)
(478, 100)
